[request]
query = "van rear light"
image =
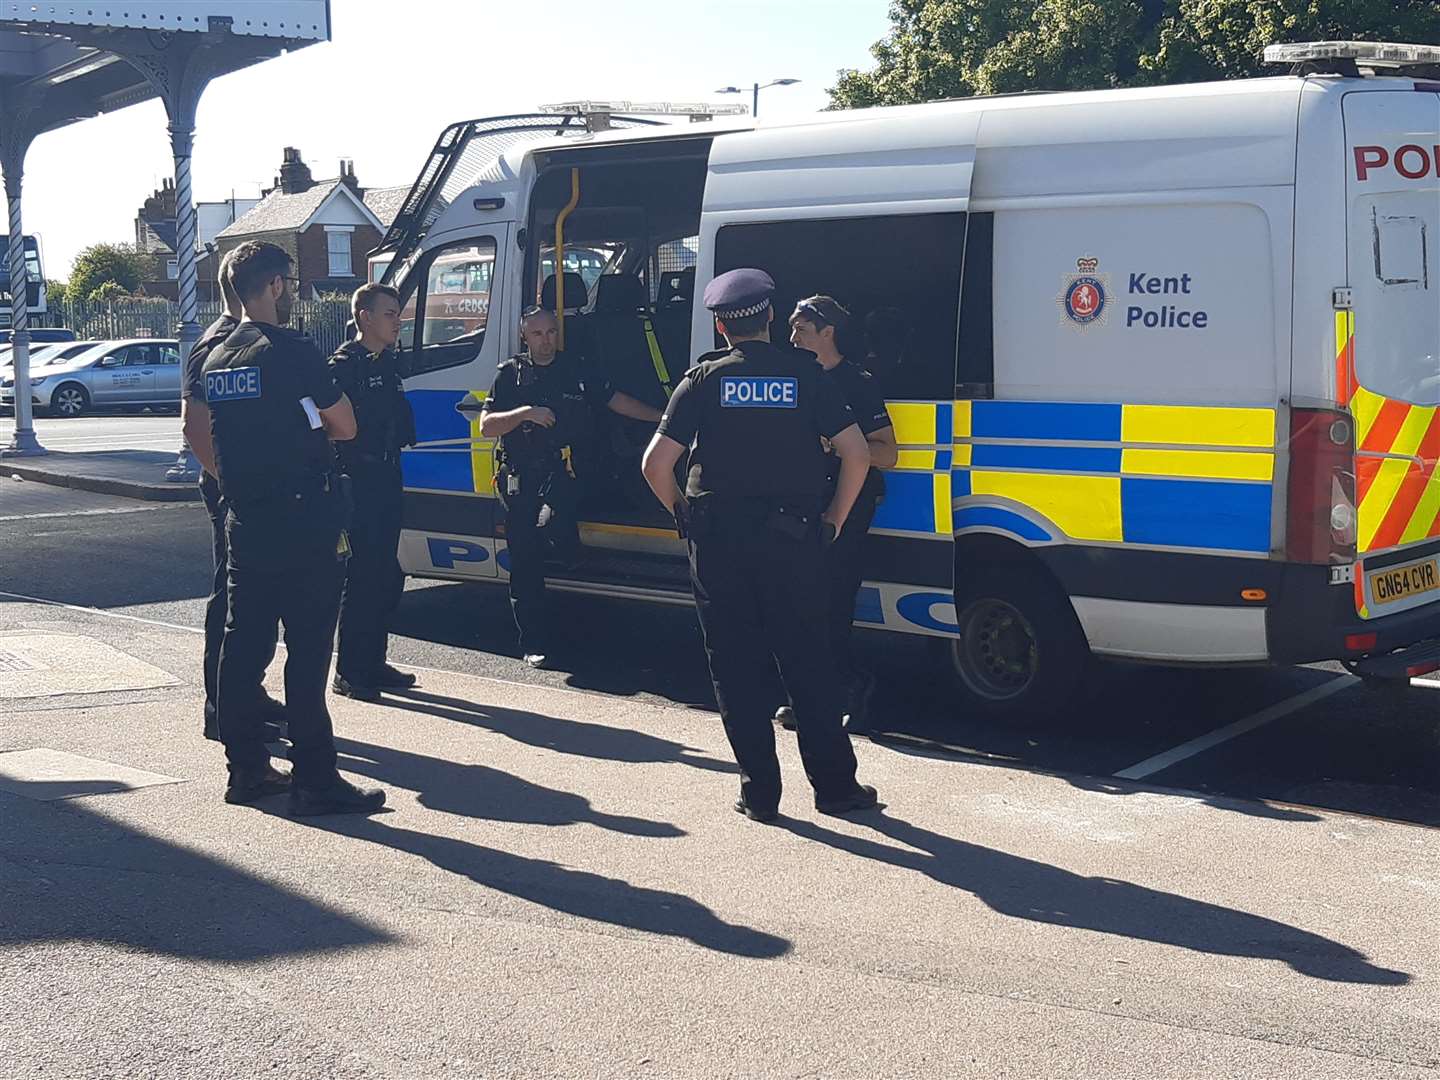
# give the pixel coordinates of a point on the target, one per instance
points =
(1361, 643)
(1321, 521)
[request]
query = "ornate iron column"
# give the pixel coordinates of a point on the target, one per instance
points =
(16, 139)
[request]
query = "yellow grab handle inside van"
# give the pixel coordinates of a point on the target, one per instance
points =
(560, 253)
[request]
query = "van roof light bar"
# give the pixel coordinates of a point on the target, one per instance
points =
(1346, 57)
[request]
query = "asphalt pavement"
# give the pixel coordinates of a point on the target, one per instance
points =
(559, 888)
(1227, 873)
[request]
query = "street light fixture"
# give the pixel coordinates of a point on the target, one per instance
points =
(755, 91)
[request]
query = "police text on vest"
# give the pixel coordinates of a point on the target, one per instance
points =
(232, 384)
(759, 392)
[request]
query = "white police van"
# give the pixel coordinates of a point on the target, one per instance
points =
(1164, 364)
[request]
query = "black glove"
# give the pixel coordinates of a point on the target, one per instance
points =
(828, 532)
(681, 513)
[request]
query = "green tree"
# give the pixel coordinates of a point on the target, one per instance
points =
(55, 291)
(956, 48)
(107, 293)
(118, 263)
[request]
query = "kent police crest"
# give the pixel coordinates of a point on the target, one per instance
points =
(1085, 295)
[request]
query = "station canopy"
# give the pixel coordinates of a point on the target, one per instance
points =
(63, 62)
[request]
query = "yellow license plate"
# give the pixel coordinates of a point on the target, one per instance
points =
(1402, 582)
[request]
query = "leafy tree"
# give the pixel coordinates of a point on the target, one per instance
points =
(122, 264)
(956, 48)
(55, 291)
(107, 293)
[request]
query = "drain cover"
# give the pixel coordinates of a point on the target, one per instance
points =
(47, 775)
(10, 661)
(46, 665)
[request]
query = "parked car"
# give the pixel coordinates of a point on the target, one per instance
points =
(141, 371)
(42, 334)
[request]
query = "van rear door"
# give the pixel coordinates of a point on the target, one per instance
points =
(1393, 252)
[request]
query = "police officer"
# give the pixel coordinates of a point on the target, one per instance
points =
(273, 409)
(365, 370)
(820, 325)
(752, 417)
(540, 410)
(195, 422)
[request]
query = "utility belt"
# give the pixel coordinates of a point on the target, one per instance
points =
(527, 474)
(790, 518)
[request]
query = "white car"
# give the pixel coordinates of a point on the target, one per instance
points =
(139, 371)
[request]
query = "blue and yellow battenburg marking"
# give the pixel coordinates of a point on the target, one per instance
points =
(451, 456)
(1159, 475)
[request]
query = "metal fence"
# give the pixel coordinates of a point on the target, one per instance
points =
(323, 320)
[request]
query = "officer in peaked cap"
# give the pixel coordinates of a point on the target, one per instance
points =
(752, 416)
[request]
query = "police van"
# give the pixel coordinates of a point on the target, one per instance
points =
(1163, 363)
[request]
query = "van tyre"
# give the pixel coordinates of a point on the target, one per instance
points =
(1021, 653)
(70, 400)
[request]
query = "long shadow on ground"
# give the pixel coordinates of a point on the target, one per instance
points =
(69, 874)
(1025, 889)
(478, 791)
(578, 737)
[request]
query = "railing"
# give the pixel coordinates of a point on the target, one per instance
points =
(323, 320)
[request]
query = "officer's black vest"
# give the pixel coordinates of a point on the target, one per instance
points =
(747, 447)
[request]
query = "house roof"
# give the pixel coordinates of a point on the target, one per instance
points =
(164, 231)
(279, 212)
(385, 203)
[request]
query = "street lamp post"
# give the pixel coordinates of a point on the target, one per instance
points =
(755, 92)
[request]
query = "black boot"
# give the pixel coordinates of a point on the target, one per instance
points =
(392, 679)
(338, 797)
(245, 788)
(862, 798)
(345, 688)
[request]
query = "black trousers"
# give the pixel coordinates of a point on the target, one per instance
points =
(527, 547)
(218, 605)
(761, 599)
(843, 573)
(374, 581)
(280, 575)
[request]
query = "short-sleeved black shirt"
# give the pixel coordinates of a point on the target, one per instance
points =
(266, 445)
(560, 387)
(753, 417)
(862, 393)
(383, 419)
(215, 333)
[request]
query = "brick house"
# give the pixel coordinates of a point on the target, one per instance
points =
(327, 226)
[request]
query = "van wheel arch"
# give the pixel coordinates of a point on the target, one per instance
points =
(1020, 652)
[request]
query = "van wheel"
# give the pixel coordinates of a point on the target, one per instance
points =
(70, 401)
(1020, 652)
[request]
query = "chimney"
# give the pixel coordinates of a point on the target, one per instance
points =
(294, 174)
(347, 175)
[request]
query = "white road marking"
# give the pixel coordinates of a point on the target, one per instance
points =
(92, 513)
(1425, 684)
(1199, 745)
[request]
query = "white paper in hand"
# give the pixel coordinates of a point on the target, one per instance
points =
(311, 412)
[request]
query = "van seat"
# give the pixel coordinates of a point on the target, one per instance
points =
(672, 319)
(579, 337)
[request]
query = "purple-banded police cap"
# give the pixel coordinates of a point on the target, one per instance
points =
(738, 293)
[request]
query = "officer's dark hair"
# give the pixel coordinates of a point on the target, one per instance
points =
(226, 277)
(254, 264)
(745, 325)
(822, 311)
(366, 295)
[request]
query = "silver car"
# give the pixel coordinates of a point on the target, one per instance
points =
(140, 371)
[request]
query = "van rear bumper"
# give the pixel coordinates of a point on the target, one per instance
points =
(1309, 620)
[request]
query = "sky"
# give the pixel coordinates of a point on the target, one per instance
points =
(395, 74)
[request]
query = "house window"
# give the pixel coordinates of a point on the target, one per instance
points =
(172, 269)
(339, 253)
